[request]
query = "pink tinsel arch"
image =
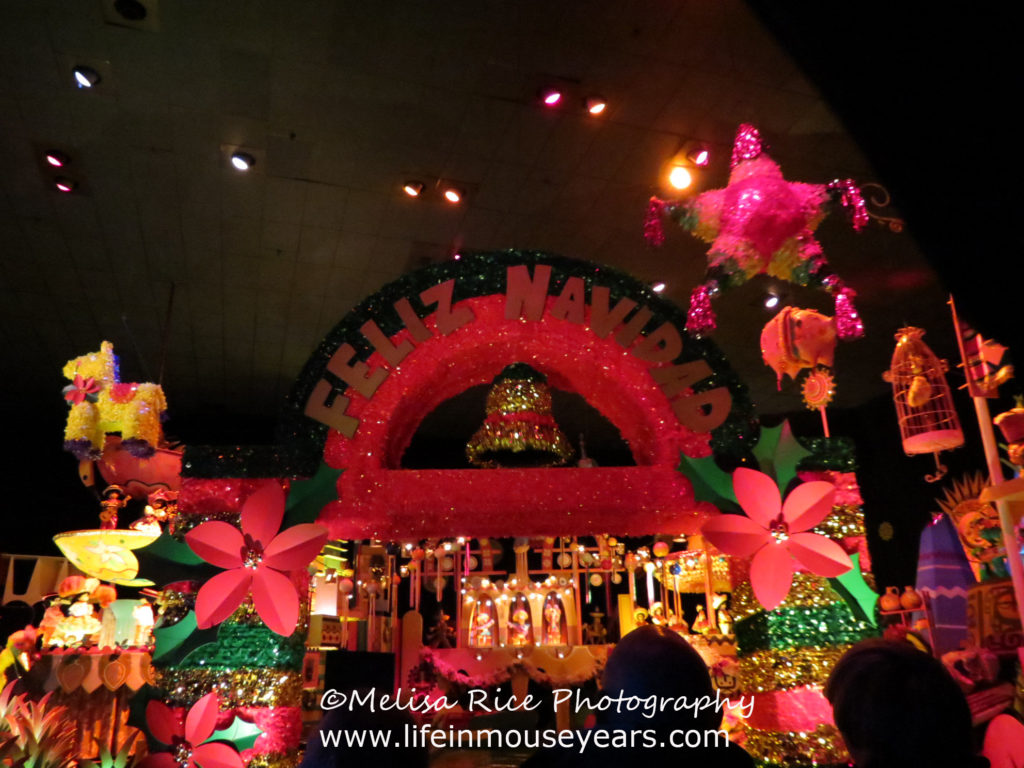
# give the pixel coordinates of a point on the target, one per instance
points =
(378, 500)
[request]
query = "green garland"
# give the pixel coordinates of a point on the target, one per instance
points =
(301, 440)
(787, 628)
(248, 645)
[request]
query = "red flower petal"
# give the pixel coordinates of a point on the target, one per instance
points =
(216, 755)
(276, 600)
(218, 543)
(735, 534)
(757, 494)
(220, 596)
(808, 505)
(771, 575)
(819, 554)
(201, 719)
(159, 760)
(162, 722)
(295, 547)
(263, 511)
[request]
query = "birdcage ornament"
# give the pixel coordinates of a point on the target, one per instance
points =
(924, 403)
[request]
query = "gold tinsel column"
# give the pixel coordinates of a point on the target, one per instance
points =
(519, 430)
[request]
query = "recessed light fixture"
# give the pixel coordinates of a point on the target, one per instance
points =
(457, 256)
(658, 287)
(130, 10)
(771, 301)
(413, 188)
(64, 184)
(85, 77)
(699, 155)
(55, 159)
(595, 105)
(552, 97)
(680, 177)
(242, 161)
(452, 195)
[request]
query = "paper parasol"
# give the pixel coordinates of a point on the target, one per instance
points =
(106, 553)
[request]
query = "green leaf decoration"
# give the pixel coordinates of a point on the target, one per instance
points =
(788, 455)
(859, 596)
(710, 483)
(307, 497)
(168, 548)
(169, 639)
(240, 733)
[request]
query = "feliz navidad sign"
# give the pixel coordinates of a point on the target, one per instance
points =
(534, 289)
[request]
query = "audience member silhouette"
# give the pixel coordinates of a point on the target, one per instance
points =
(897, 706)
(654, 661)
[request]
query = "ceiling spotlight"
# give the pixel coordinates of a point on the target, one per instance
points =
(700, 155)
(551, 97)
(596, 105)
(452, 195)
(64, 184)
(55, 159)
(85, 77)
(130, 10)
(679, 177)
(242, 161)
(457, 256)
(412, 188)
(771, 301)
(658, 287)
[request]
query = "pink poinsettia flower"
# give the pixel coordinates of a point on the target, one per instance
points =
(776, 533)
(80, 389)
(188, 741)
(257, 561)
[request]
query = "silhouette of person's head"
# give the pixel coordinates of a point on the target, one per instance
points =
(897, 706)
(655, 661)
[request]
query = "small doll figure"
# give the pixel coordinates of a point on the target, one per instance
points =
(483, 630)
(52, 618)
(159, 511)
(142, 628)
(519, 633)
(80, 623)
(553, 623)
(114, 500)
(700, 624)
(722, 615)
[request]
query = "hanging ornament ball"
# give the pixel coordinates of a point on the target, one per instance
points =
(612, 541)
(616, 578)
(372, 588)
(447, 563)
(885, 531)
(418, 553)
(818, 389)
(676, 569)
(606, 564)
(660, 548)
(440, 582)
(565, 560)
(475, 582)
(472, 562)
(596, 580)
(346, 586)
(586, 558)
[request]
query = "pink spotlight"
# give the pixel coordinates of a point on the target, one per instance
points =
(64, 185)
(552, 98)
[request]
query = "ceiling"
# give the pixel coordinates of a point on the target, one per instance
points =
(341, 102)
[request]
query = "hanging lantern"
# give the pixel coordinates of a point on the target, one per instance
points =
(519, 430)
(924, 404)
